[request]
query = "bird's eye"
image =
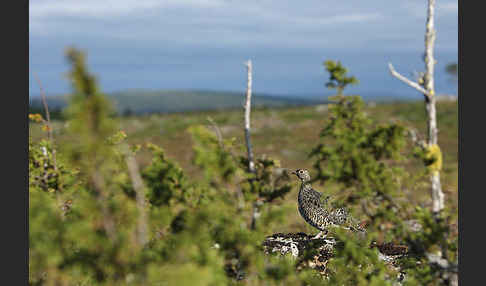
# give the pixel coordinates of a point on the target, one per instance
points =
(301, 172)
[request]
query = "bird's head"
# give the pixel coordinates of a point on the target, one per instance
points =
(302, 174)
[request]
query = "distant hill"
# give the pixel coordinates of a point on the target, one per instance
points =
(145, 101)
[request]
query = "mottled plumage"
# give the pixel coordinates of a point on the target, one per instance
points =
(313, 211)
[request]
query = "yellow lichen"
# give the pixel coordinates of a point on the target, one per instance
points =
(433, 158)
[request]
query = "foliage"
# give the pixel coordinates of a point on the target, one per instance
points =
(84, 212)
(361, 159)
(355, 263)
(365, 160)
(266, 184)
(54, 113)
(338, 78)
(213, 155)
(42, 172)
(91, 238)
(228, 177)
(216, 156)
(165, 180)
(358, 155)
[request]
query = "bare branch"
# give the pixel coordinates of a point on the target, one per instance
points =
(46, 108)
(416, 138)
(218, 132)
(407, 81)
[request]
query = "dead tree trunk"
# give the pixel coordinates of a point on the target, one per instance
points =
(437, 194)
(251, 163)
(426, 86)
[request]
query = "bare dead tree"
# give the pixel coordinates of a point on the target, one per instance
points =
(425, 85)
(140, 190)
(251, 164)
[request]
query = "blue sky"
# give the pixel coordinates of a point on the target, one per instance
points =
(202, 44)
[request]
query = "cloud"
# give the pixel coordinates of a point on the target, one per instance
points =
(231, 24)
(197, 22)
(50, 17)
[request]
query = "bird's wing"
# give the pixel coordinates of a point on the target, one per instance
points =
(323, 200)
(315, 196)
(315, 193)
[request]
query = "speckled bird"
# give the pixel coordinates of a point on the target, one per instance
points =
(317, 214)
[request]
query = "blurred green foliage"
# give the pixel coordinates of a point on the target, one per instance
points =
(85, 232)
(338, 78)
(83, 212)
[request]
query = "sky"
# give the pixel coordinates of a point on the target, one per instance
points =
(203, 44)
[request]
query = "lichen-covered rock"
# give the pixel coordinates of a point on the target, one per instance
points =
(315, 253)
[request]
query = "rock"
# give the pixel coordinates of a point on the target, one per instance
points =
(296, 244)
(300, 244)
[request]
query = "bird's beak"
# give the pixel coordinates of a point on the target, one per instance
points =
(293, 172)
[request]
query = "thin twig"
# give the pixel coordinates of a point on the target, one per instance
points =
(47, 121)
(46, 108)
(416, 138)
(218, 132)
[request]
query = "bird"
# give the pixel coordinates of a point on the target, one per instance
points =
(318, 214)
